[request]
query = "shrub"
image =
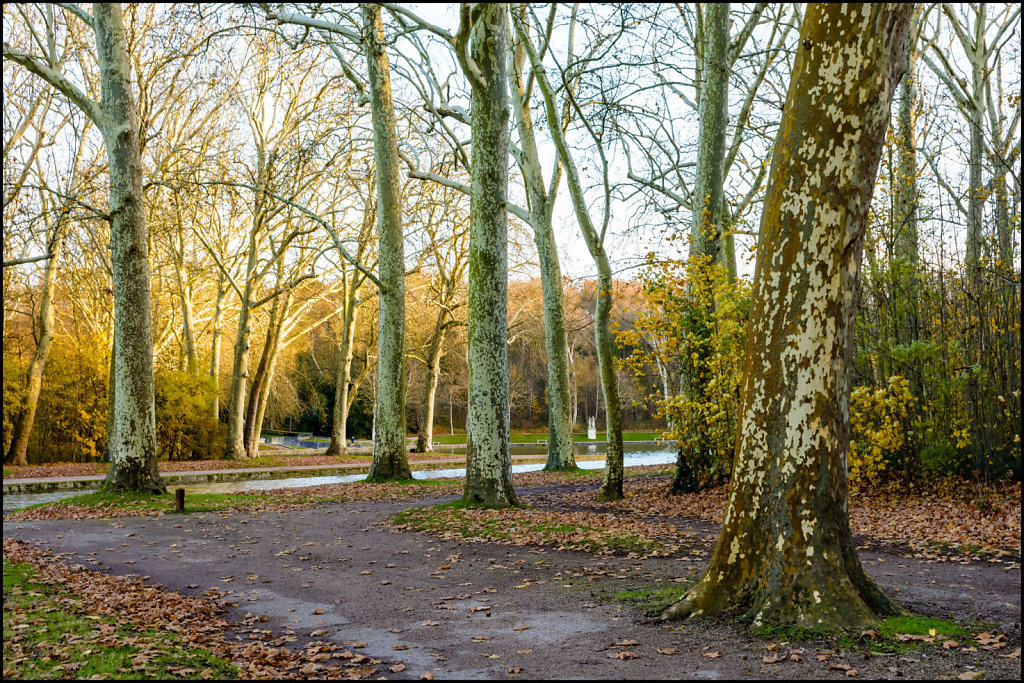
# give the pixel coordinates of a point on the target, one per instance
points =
(185, 428)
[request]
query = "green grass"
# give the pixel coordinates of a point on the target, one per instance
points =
(448, 518)
(884, 638)
(46, 636)
(653, 601)
(203, 502)
(534, 437)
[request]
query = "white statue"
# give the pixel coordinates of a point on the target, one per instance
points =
(591, 428)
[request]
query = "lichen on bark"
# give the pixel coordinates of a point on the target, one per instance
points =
(390, 460)
(785, 554)
(488, 457)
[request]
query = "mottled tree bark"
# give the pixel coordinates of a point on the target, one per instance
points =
(713, 114)
(785, 553)
(390, 460)
(133, 455)
(488, 457)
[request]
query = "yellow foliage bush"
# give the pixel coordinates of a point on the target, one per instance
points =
(878, 428)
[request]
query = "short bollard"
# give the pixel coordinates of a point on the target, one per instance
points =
(179, 500)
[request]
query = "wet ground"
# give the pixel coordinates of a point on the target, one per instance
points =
(480, 610)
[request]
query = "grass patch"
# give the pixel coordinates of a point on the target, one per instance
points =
(653, 601)
(892, 635)
(587, 531)
(126, 503)
(919, 626)
(47, 635)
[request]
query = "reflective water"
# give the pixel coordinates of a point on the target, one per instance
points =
(635, 455)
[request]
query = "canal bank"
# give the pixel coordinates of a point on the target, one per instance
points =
(18, 493)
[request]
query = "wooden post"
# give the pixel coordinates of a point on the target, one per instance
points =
(179, 500)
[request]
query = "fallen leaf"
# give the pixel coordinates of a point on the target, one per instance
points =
(626, 654)
(397, 668)
(667, 650)
(712, 655)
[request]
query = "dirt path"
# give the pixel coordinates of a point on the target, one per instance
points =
(481, 610)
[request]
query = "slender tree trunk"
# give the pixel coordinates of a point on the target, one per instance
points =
(785, 553)
(185, 297)
(260, 381)
(906, 241)
(708, 189)
(17, 454)
(261, 406)
(390, 460)
(235, 446)
(425, 435)
(611, 486)
(560, 452)
(215, 334)
(133, 463)
(707, 244)
(109, 437)
(488, 457)
(341, 387)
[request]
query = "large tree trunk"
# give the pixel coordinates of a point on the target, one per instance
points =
(390, 460)
(17, 454)
(785, 553)
(133, 455)
(560, 451)
(488, 457)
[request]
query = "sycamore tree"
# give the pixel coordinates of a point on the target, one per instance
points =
(133, 439)
(785, 553)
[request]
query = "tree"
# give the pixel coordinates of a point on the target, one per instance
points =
(786, 553)
(488, 453)
(133, 451)
(390, 460)
(611, 487)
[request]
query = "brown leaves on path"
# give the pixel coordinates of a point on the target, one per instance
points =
(918, 520)
(198, 621)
